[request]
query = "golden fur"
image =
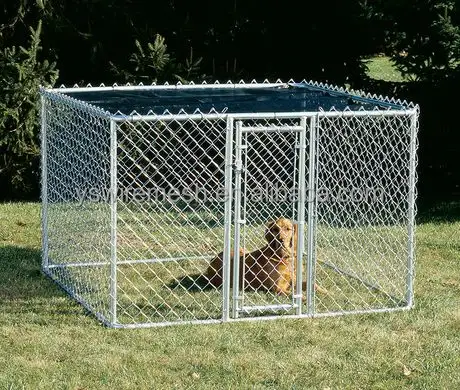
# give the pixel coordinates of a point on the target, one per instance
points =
(271, 268)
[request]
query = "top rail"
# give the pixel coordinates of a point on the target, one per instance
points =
(168, 86)
(263, 115)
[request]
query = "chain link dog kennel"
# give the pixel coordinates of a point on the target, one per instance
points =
(142, 186)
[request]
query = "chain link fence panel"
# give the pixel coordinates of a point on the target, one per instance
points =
(162, 219)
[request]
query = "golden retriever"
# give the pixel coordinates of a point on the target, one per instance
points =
(271, 268)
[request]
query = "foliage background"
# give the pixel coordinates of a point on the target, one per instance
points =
(43, 42)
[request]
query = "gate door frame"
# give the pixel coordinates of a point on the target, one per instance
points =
(305, 195)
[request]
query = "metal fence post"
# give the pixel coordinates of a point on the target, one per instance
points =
(312, 178)
(228, 220)
(113, 221)
(411, 211)
(237, 214)
(301, 199)
(44, 187)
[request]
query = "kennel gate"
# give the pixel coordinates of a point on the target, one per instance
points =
(270, 156)
(346, 177)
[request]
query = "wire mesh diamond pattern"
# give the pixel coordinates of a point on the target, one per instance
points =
(78, 231)
(362, 212)
(167, 233)
(269, 192)
(163, 218)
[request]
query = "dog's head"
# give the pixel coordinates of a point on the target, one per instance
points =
(282, 234)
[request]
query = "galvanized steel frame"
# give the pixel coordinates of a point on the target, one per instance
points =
(233, 166)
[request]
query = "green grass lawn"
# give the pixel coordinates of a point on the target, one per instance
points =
(151, 292)
(47, 341)
(381, 68)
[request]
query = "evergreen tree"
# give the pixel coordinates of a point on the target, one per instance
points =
(425, 37)
(22, 71)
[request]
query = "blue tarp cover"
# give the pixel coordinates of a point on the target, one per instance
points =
(294, 98)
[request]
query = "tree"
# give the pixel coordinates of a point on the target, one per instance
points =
(425, 35)
(153, 63)
(22, 71)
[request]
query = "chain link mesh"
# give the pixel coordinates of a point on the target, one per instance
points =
(363, 212)
(78, 230)
(170, 212)
(270, 186)
(170, 218)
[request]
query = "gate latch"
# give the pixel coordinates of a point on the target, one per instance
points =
(238, 166)
(300, 146)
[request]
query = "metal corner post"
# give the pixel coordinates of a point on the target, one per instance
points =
(113, 222)
(237, 216)
(301, 200)
(228, 220)
(44, 184)
(312, 178)
(411, 211)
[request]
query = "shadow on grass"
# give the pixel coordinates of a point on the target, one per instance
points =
(21, 276)
(191, 283)
(29, 296)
